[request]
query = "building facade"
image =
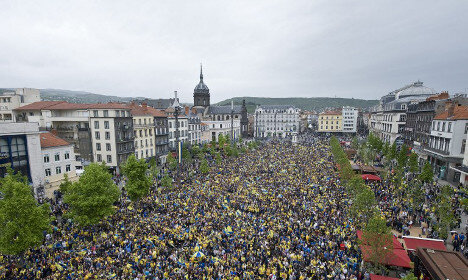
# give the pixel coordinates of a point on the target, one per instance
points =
(10, 101)
(144, 131)
(20, 149)
(58, 159)
(388, 119)
(349, 119)
(330, 121)
(276, 121)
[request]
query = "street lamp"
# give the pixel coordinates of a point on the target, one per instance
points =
(232, 122)
(176, 107)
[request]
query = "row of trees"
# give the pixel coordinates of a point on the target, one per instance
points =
(92, 197)
(377, 237)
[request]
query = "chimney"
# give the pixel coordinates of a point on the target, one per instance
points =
(450, 109)
(186, 110)
(144, 104)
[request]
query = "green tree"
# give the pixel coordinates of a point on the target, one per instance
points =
(196, 151)
(171, 161)
(409, 276)
(92, 197)
(221, 140)
(65, 185)
(416, 193)
(426, 175)
(392, 152)
(444, 211)
(186, 153)
(138, 184)
(166, 182)
(154, 170)
(218, 158)
(204, 168)
(22, 220)
(364, 205)
(413, 163)
(355, 143)
(402, 157)
(378, 240)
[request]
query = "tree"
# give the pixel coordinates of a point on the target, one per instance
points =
(378, 240)
(186, 153)
(154, 170)
(409, 276)
(196, 151)
(427, 175)
(392, 152)
(92, 197)
(444, 211)
(402, 157)
(364, 205)
(171, 161)
(355, 143)
(218, 158)
(204, 168)
(416, 193)
(413, 163)
(65, 185)
(22, 220)
(138, 183)
(166, 181)
(221, 140)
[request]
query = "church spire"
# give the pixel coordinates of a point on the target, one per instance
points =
(201, 72)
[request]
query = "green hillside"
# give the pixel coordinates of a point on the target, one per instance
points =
(310, 103)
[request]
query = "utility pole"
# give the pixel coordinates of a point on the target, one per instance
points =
(232, 122)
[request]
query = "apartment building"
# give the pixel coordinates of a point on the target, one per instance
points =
(143, 127)
(58, 159)
(330, 121)
(10, 100)
(276, 121)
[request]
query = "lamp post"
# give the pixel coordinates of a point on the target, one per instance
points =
(176, 107)
(232, 122)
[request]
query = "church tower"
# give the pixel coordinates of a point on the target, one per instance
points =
(201, 93)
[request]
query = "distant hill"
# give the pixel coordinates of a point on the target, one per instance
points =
(82, 96)
(305, 103)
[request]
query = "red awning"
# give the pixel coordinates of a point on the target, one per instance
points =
(380, 277)
(412, 243)
(397, 257)
(396, 243)
(371, 177)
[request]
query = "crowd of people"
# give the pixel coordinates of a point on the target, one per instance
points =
(277, 212)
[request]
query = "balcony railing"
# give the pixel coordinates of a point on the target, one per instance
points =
(437, 151)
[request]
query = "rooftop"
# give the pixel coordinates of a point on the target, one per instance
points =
(49, 140)
(459, 113)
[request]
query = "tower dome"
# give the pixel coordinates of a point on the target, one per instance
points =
(201, 87)
(201, 93)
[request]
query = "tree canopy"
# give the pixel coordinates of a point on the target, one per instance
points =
(138, 183)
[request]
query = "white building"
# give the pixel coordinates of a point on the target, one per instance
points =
(20, 149)
(143, 128)
(194, 126)
(349, 121)
(447, 142)
(183, 129)
(9, 101)
(388, 119)
(276, 121)
(58, 159)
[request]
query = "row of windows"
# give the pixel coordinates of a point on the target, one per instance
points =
(331, 127)
(58, 170)
(56, 157)
(147, 131)
(181, 124)
(106, 125)
(97, 135)
(118, 113)
(440, 126)
(99, 158)
(150, 121)
(331, 122)
(146, 143)
(98, 146)
(148, 154)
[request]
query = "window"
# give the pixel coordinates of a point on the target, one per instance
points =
(98, 146)
(449, 128)
(47, 172)
(96, 113)
(108, 147)
(117, 113)
(106, 124)
(57, 157)
(98, 157)
(106, 113)
(463, 146)
(466, 128)
(46, 158)
(443, 126)
(58, 170)
(68, 168)
(438, 126)
(67, 155)
(109, 159)
(97, 135)
(96, 124)
(107, 135)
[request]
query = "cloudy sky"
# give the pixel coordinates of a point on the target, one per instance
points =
(272, 48)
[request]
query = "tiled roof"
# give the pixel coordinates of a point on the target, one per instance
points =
(331, 113)
(40, 105)
(145, 110)
(459, 113)
(63, 105)
(49, 140)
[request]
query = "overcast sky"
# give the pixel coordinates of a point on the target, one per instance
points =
(292, 48)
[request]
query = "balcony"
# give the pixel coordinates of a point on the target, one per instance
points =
(437, 151)
(162, 143)
(150, 125)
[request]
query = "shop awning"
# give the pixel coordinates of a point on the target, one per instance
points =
(412, 243)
